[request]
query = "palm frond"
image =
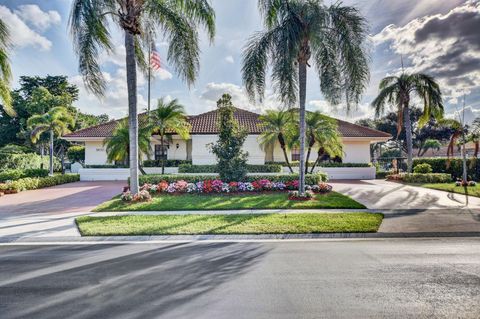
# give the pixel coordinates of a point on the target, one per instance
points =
(5, 71)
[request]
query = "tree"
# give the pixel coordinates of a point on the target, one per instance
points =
(277, 126)
(5, 72)
(118, 145)
(429, 144)
(298, 31)
(398, 91)
(322, 131)
(232, 160)
(169, 118)
(56, 121)
(178, 21)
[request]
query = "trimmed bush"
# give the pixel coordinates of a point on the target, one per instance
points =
(423, 168)
(310, 179)
(29, 183)
(333, 164)
(439, 165)
(421, 178)
(76, 153)
(26, 161)
(188, 168)
(15, 174)
(382, 174)
(168, 163)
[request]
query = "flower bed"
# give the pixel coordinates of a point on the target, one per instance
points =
(465, 183)
(216, 186)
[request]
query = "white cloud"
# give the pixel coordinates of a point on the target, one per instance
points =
(229, 59)
(34, 16)
(21, 34)
(446, 46)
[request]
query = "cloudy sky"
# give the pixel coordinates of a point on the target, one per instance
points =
(437, 37)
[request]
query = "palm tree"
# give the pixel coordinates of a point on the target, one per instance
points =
(118, 145)
(5, 72)
(169, 118)
(474, 136)
(277, 126)
(323, 132)
(298, 31)
(57, 121)
(398, 91)
(178, 21)
(429, 144)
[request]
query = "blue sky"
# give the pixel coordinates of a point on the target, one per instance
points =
(436, 37)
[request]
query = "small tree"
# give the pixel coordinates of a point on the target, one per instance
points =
(76, 153)
(232, 160)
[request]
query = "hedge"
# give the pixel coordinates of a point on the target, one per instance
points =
(29, 183)
(439, 165)
(168, 163)
(310, 179)
(421, 178)
(326, 164)
(26, 161)
(15, 174)
(188, 168)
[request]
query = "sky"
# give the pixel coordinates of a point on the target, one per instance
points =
(436, 37)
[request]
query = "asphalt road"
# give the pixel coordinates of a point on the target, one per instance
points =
(394, 278)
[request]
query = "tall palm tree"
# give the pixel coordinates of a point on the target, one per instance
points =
(457, 130)
(277, 125)
(323, 132)
(474, 136)
(178, 21)
(5, 72)
(118, 145)
(57, 121)
(299, 33)
(399, 91)
(169, 118)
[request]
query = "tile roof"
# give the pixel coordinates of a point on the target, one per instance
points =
(206, 123)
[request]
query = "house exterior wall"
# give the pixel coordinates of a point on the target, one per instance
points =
(201, 154)
(95, 153)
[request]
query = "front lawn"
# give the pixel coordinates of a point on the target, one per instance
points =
(229, 224)
(223, 202)
(451, 187)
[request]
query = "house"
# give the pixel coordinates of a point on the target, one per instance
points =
(356, 140)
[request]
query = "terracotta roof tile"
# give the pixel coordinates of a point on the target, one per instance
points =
(206, 123)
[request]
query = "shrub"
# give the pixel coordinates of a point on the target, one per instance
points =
(296, 195)
(76, 153)
(15, 174)
(26, 161)
(382, 174)
(29, 183)
(439, 165)
(423, 168)
(188, 168)
(310, 179)
(421, 178)
(168, 163)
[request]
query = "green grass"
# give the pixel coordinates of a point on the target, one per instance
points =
(223, 202)
(450, 187)
(131, 225)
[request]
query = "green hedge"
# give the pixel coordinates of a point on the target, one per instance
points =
(422, 178)
(310, 179)
(15, 174)
(382, 174)
(333, 164)
(168, 163)
(29, 183)
(439, 165)
(188, 168)
(26, 161)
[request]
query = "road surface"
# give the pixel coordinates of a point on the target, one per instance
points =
(387, 278)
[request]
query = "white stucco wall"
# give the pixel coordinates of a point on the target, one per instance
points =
(201, 154)
(95, 153)
(356, 152)
(173, 152)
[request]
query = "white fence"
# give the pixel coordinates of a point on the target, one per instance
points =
(122, 174)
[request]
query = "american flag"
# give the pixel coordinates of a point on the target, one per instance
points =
(155, 58)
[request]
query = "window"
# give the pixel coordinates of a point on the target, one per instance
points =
(295, 154)
(161, 153)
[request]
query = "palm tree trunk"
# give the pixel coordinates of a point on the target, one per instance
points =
(309, 151)
(281, 140)
(42, 152)
(51, 154)
(163, 161)
(302, 75)
(132, 110)
(408, 134)
(320, 151)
